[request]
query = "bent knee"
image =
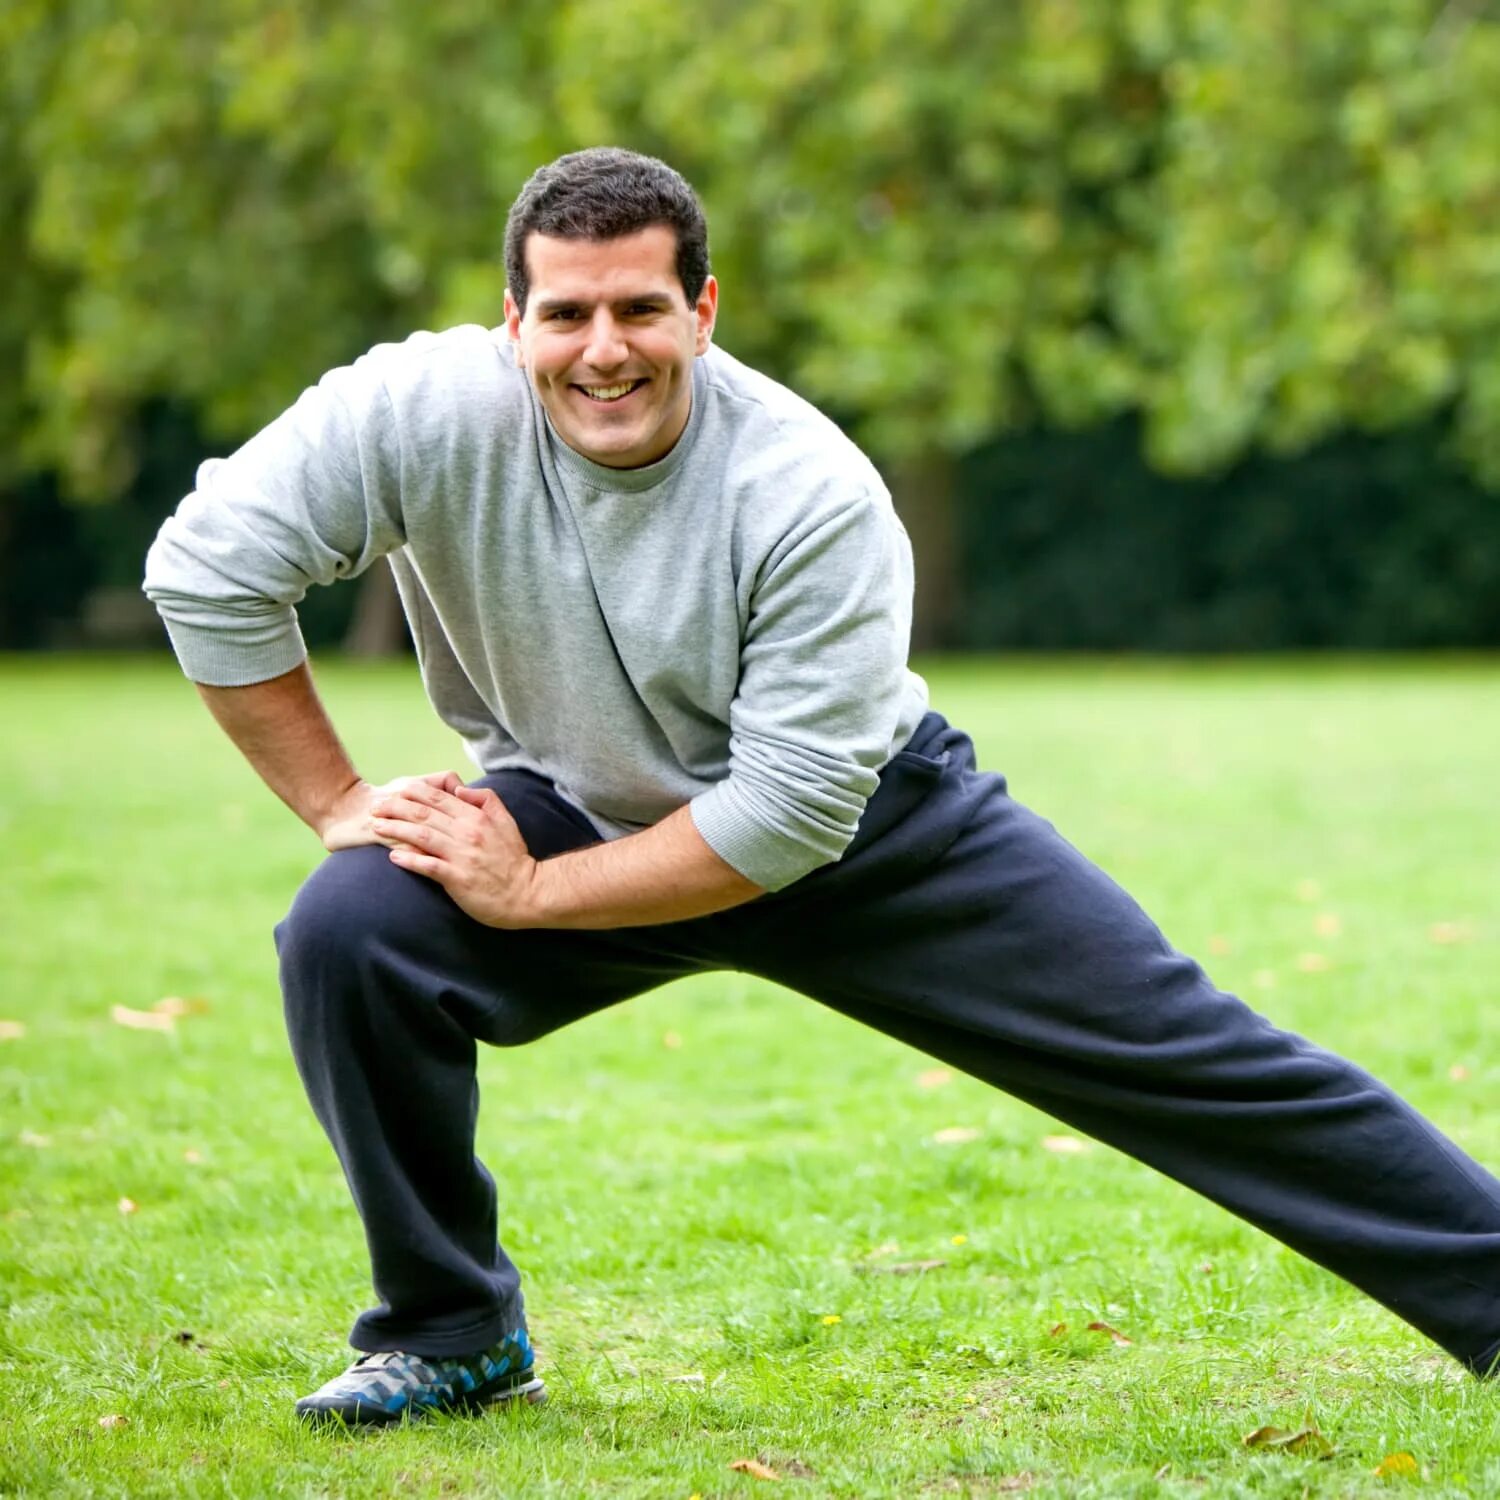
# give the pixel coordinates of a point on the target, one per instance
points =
(354, 896)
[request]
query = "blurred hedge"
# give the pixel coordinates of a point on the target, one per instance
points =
(1071, 541)
(1066, 540)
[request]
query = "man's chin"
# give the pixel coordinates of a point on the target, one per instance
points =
(614, 450)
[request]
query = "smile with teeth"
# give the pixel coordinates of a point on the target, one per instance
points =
(610, 392)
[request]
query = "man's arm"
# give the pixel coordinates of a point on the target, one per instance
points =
(281, 728)
(466, 841)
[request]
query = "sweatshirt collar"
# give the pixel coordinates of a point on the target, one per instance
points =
(630, 481)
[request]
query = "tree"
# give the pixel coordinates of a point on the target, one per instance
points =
(1247, 225)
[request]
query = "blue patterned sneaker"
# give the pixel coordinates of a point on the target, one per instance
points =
(381, 1388)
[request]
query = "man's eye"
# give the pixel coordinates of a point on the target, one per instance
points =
(643, 309)
(563, 315)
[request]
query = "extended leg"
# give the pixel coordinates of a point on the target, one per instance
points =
(1012, 957)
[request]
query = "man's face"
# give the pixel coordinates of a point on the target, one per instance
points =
(609, 340)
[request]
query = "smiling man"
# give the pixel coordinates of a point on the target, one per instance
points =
(666, 604)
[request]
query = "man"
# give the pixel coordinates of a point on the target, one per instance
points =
(666, 604)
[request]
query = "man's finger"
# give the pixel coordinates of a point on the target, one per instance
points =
(418, 863)
(476, 796)
(414, 810)
(419, 835)
(433, 796)
(419, 790)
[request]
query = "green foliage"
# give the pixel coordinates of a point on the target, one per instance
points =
(1247, 225)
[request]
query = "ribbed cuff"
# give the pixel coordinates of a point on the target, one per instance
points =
(766, 856)
(219, 658)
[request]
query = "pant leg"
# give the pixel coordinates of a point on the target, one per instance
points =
(387, 986)
(971, 930)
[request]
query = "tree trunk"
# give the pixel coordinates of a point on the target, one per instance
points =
(924, 489)
(379, 625)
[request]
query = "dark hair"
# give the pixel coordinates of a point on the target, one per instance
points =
(602, 194)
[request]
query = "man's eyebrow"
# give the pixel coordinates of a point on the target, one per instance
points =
(558, 304)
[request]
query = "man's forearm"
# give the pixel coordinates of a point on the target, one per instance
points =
(466, 840)
(281, 728)
(666, 873)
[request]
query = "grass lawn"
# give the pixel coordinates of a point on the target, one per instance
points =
(708, 1189)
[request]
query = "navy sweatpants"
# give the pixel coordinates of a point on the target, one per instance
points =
(957, 921)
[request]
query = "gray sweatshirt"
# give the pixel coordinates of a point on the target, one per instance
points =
(725, 628)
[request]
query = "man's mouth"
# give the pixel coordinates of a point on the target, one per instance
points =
(604, 394)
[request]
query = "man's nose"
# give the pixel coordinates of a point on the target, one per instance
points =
(606, 346)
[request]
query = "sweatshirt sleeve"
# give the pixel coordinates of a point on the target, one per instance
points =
(822, 684)
(312, 498)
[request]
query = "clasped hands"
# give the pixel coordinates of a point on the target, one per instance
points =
(461, 837)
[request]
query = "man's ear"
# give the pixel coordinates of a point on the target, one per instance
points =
(513, 327)
(707, 309)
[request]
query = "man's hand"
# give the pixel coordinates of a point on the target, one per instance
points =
(464, 839)
(350, 821)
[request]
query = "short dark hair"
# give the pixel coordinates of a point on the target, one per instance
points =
(602, 194)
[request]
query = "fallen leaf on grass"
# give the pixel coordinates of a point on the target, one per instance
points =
(1306, 1440)
(12, 1031)
(1458, 1072)
(1328, 925)
(1308, 890)
(1396, 1466)
(685, 1380)
(192, 1158)
(955, 1135)
(1057, 1330)
(114, 1419)
(1264, 979)
(934, 1078)
(1313, 963)
(903, 1268)
(31, 1138)
(176, 1005)
(1064, 1145)
(671, 1040)
(127, 1206)
(141, 1020)
(1114, 1333)
(755, 1468)
(161, 1017)
(1220, 946)
(1449, 932)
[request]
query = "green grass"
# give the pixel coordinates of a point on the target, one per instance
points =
(688, 1216)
